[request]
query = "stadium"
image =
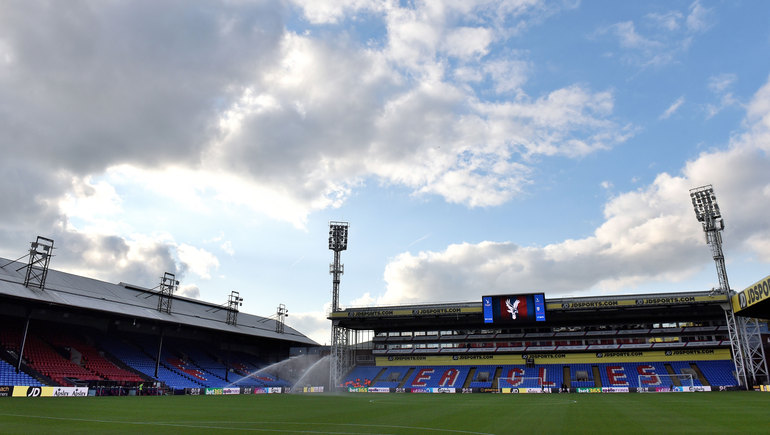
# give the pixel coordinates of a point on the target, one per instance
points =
(64, 335)
(652, 342)
(528, 343)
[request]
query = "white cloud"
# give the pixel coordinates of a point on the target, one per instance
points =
(198, 260)
(94, 203)
(672, 108)
(468, 41)
(315, 325)
(190, 291)
(648, 235)
(629, 38)
(662, 37)
(698, 20)
(669, 21)
(222, 105)
(283, 127)
(227, 247)
(138, 259)
(758, 118)
(720, 86)
(333, 11)
(197, 190)
(508, 75)
(720, 83)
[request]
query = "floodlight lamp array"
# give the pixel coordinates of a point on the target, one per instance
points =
(42, 243)
(338, 236)
(235, 300)
(169, 282)
(704, 203)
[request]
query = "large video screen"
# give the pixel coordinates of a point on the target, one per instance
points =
(512, 309)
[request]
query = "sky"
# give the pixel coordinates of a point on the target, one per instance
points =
(475, 147)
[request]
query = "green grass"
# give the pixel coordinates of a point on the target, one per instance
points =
(725, 412)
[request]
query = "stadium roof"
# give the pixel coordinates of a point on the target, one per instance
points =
(68, 290)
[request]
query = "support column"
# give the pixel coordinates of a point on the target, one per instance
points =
(23, 343)
(160, 349)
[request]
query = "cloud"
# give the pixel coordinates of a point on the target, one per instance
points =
(141, 260)
(313, 324)
(199, 105)
(629, 38)
(669, 21)
(658, 39)
(198, 260)
(720, 83)
(672, 108)
(648, 235)
(227, 247)
(699, 18)
(412, 127)
(333, 11)
(468, 41)
(190, 291)
(215, 98)
(508, 75)
(720, 86)
(109, 93)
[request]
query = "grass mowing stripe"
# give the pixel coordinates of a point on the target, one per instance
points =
(734, 412)
(208, 424)
(181, 425)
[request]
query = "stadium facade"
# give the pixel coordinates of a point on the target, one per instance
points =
(644, 342)
(64, 334)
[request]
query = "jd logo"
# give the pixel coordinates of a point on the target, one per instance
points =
(742, 300)
(33, 392)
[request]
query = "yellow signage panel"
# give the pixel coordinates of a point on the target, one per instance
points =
(751, 295)
(557, 358)
(634, 301)
(369, 313)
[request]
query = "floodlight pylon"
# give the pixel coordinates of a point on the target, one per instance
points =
(40, 253)
(281, 315)
(707, 212)
(340, 349)
(745, 339)
(233, 302)
(168, 285)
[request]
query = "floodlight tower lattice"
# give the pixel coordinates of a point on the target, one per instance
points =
(281, 314)
(745, 338)
(340, 349)
(40, 253)
(168, 285)
(234, 301)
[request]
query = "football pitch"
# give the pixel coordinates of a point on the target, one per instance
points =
(654, 413)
